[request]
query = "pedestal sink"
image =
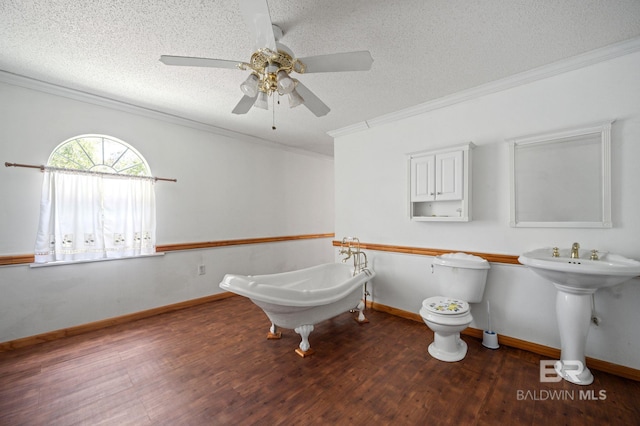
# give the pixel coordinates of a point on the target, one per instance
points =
(576, 279)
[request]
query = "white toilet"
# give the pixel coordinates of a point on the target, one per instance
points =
(461, 279)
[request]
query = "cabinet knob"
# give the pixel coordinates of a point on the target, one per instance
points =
(431, 193)
(439, 193)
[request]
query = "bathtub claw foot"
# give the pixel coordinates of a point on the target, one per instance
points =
(273, 333)
(304, 331)
(360, 319)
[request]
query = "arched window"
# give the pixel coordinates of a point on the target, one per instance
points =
(98, 153)
(98, 202)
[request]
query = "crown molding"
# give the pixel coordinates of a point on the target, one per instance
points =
(103, 101)
(354, 128)
(560, 67)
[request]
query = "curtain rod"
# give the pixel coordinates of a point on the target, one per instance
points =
(43, 168)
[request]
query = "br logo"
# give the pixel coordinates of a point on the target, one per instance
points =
(552, 370)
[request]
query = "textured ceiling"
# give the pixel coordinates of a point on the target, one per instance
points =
(422, 50)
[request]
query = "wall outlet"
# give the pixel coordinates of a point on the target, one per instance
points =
(202, 270)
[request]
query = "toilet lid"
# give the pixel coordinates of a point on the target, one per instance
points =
(446, 306)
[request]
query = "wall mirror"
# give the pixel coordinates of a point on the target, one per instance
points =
(562, 179)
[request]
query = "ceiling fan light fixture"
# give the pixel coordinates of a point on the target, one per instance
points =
(250, 86)
(285, 83)
(262, 101)
(295, 99)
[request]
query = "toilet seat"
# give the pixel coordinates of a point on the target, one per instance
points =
(446, 311)
(440, 305)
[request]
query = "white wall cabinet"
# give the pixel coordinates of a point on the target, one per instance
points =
(439, 184)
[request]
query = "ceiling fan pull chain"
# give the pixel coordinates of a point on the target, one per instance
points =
(273, 120)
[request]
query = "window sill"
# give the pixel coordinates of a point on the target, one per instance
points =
(75, 262)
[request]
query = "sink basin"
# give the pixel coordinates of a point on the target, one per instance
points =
(586, 274)
(576, 280)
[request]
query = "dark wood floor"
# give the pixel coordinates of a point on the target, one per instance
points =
(212, 365)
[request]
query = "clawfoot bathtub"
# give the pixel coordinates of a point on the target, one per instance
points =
(299, 299)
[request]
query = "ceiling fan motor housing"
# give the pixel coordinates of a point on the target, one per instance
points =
(267, 64)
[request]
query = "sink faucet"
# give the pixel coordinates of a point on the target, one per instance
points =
(574, 251)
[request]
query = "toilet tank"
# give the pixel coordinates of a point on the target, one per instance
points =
(460, 275)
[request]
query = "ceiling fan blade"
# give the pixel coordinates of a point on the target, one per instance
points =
(258, 20)
(311, 101)
(348, 61)
(186, 61)
(244, 105)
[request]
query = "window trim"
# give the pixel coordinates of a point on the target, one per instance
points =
(147, 169)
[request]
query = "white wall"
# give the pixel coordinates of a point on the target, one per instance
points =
(228, 188)
(371, 201)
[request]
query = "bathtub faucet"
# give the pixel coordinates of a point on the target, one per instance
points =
(350, 247)
(347, 245)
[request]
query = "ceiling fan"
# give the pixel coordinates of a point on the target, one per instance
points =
(272, 63)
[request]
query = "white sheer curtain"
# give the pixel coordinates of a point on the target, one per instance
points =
(90, 216)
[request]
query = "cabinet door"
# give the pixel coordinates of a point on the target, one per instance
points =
(448, 181)
(422, 178)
